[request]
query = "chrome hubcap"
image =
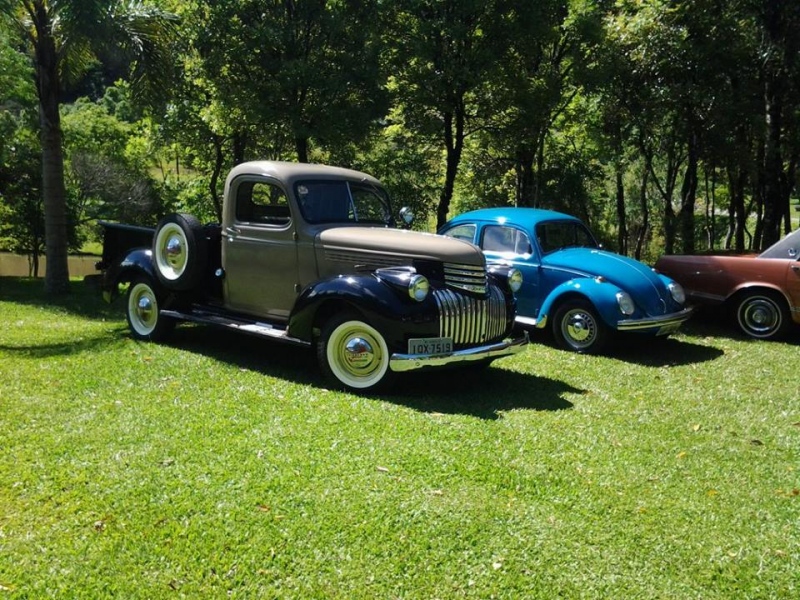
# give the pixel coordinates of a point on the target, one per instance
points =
(144, 309)
(760, 315)
(358, 354)
(174, 252)
(579, 327)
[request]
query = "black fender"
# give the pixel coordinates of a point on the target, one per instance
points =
(136, 262)
(385, 306)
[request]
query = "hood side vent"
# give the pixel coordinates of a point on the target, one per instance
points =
(470, 278)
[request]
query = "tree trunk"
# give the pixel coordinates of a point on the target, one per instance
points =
(689, 195)
(640, 239)
(454, 141)
(301, 147)
(622, 226)
(774, 88)
(56, 279)
(525, 176)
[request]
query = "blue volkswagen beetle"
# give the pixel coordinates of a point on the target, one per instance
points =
(570, 284)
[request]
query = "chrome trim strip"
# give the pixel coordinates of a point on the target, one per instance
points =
(400, 363)
(671, 319)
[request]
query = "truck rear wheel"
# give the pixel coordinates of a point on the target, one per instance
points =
(180, 252)
(143, 312)
(353, 354)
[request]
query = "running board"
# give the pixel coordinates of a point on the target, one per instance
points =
(252, 327)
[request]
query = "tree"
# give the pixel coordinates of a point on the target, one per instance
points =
(64, 37)
(443, 52)
(306, 70)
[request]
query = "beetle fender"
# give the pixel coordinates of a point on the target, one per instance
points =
(602, 295)
(388, 308)
(139, 261)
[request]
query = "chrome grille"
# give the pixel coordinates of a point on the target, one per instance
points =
(466, 277)
(469, 320)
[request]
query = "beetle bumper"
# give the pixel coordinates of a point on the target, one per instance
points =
(663, 325)
(411, 362)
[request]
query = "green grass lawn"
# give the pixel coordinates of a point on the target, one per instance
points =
(220, 466)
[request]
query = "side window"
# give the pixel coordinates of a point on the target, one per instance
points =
(508, 240)
(261, 202)
(462, 232)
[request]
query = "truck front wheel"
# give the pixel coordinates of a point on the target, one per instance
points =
(143, 313)
(353, 354)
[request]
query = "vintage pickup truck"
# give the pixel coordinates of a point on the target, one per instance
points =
(309, 255)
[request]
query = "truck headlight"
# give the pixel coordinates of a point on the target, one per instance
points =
(676, 290)
(418, 287)
(625, 303)
(514, 279)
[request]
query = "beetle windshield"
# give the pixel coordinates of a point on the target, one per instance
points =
(557, 235)
(343, 202)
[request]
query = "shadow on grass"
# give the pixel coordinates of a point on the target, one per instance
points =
(646, 350)
(96, 343)
(714, 322)
(84, 299)
(484, 393)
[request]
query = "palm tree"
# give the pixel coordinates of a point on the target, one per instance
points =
(64, 38)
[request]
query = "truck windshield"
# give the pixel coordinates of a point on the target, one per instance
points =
(343, 202)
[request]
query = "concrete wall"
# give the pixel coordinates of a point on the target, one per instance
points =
(14, 265)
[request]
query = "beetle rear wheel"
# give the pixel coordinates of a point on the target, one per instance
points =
(353, 354)
(762, 314)
(578, 328)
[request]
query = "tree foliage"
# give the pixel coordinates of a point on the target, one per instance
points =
(669, 125)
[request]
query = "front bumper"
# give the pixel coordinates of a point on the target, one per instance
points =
(663, 325)
(411, 362)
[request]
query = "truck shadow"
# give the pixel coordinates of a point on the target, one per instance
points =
(483, 393)
(84, 298)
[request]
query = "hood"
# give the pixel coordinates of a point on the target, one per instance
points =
(376, 246)
(646, 287)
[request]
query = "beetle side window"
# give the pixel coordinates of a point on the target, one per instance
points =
(261, 202)
(462, 232)
(506, 240)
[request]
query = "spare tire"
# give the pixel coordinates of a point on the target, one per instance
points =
(180, 252)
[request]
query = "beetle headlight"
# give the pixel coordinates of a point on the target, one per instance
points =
(418, 287)
(625, 302)
(514, 279)
(676, 289)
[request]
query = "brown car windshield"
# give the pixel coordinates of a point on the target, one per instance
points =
(343, 202)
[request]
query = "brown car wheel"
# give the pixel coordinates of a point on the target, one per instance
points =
(762, 314)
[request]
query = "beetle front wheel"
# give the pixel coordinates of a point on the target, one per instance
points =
(353, 354)
(578, 328)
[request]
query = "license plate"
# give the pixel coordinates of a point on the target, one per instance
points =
(440, 345)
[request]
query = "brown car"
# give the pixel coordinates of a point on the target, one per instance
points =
(761, 290)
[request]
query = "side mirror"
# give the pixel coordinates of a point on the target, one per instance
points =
(406, 216)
